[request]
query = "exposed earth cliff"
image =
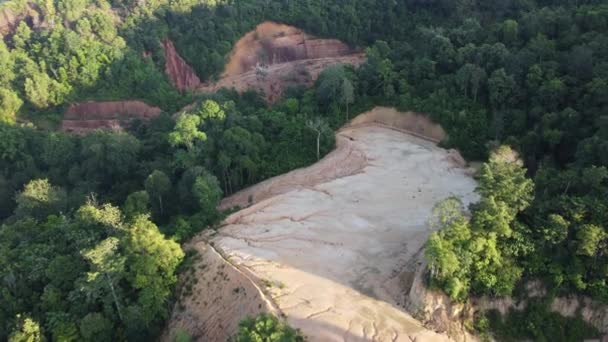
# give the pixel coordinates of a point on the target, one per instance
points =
(268, 60)
(274, 56)
(181, 75)
(439, 313)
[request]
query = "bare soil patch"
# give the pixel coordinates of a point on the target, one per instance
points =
(181, 75)
(214, 297)
(269, 59)
(88, 116)
(273, 43)
(274, 56)
(329, 241)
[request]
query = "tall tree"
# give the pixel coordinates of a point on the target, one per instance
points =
(40, 199)
(158, 185)
(348, 94)
(9, 105)
(152, 261)
(207, 190)
(27, 330)
(319, 126)
(186, 132)
(107, 270)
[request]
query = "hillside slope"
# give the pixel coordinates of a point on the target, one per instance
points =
(327, 252)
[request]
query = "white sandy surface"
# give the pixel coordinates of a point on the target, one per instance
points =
(329, 253)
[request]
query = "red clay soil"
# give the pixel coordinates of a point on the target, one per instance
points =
(181, 75)
(285, 55)
(274, 56)
(280, 76)
(272, 43)
(88, 116)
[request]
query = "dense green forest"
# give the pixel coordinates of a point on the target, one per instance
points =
(75, 210)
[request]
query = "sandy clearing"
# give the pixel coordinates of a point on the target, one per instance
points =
(345, 160)
(334, 247)
(327, 245)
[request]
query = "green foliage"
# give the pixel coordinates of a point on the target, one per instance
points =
(186, 131)
(86, 274)
(137, 203)
(9, 105)
(152, 261)
(158, 185)
(40, 199)
(335, 89)
(540, 324)
(477, 255)
(27, 330)
(530, 74)
(207, 191)
(266, 327)
(95, 327)
(182, 336)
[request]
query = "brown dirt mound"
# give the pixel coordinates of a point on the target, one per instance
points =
(275, 56)
(416, 124)
(279, 77)
(273, 43)
(181, 74)
(88, 116)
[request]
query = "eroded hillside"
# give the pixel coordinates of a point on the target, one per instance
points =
(268, 60)
(325, 245)
(275, 56)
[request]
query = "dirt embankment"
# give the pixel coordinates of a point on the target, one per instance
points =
(273, 43)
(416, 124)
(181, 75)
(328, 242)
(439, 313)
(274, 56)
(9, 19)
(84, 117)
(344, 161)
(214, 297)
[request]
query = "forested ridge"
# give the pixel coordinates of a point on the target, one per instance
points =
(77, 211)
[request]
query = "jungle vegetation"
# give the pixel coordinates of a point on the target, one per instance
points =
(76, 211)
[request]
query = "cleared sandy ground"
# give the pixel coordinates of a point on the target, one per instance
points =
(328, 252)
